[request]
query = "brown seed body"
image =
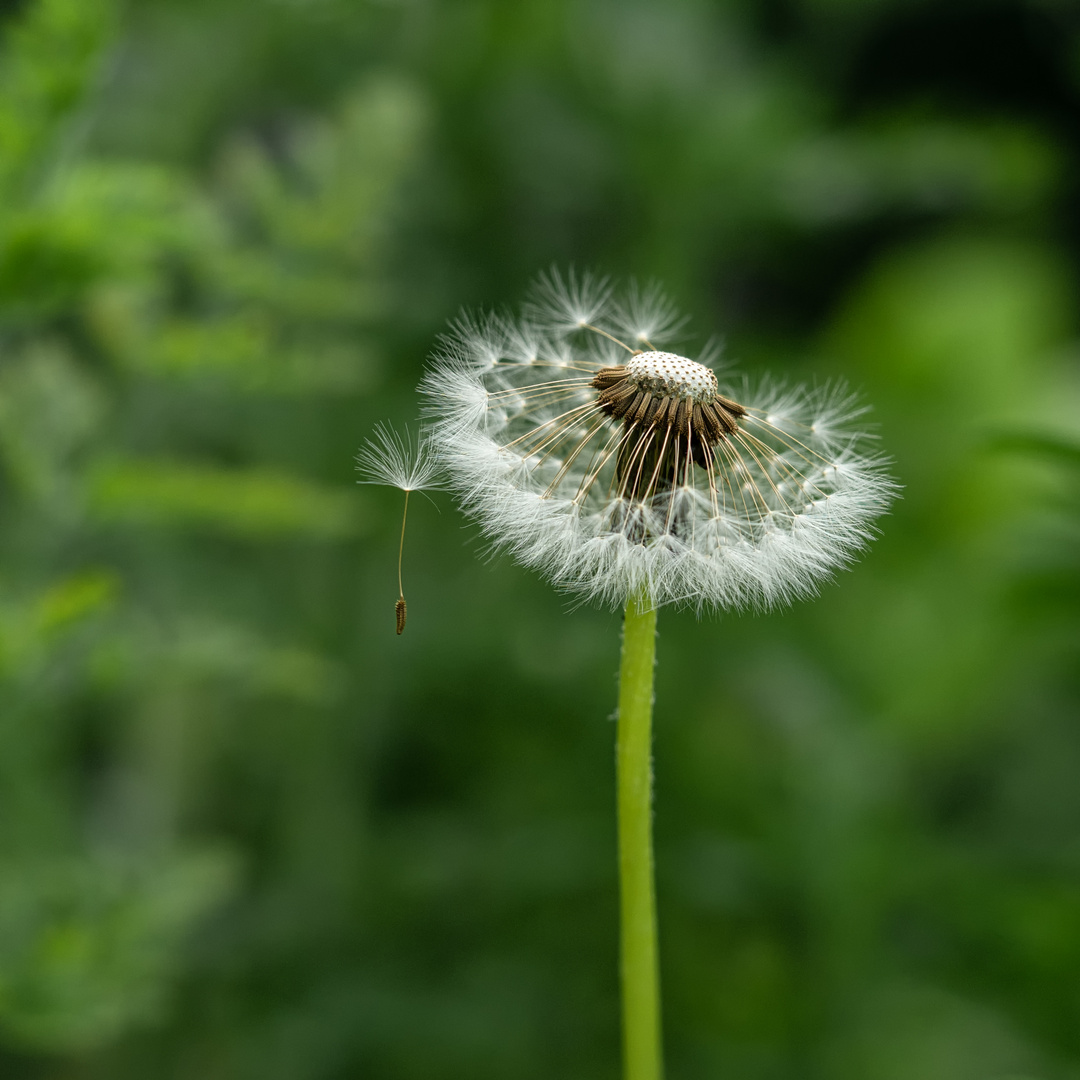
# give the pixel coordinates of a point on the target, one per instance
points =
(665, 427)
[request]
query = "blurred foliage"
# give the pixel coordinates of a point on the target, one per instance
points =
(245, 831)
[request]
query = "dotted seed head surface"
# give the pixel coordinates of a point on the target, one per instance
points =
(671, 375)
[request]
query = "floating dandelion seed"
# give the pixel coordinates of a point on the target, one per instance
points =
(620, 469)
(404, 462)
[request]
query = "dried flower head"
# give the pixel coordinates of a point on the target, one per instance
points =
(618, 468)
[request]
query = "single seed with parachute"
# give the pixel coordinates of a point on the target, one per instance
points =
(405, 462)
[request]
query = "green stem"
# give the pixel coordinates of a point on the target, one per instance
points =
(640, 973)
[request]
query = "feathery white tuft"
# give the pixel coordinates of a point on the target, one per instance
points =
(647, 316)
(402, 461)
(616, 469)
(563, 304)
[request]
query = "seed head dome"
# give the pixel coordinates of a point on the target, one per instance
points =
(673, 375)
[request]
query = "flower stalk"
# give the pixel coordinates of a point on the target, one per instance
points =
(642, 1055)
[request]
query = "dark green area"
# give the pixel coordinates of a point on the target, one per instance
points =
(246, 833)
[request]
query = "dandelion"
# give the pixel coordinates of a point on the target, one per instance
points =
(636, 476)
(622, 470)
(404, 462)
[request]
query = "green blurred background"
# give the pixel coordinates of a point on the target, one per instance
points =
(246, 833)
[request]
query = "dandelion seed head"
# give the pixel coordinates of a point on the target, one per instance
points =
(614, 467)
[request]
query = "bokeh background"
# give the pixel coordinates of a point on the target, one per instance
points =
(246, 833)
